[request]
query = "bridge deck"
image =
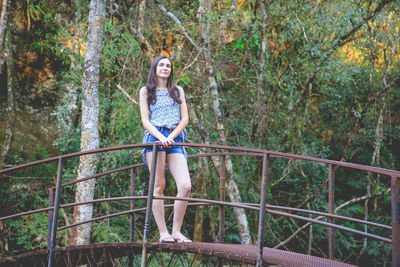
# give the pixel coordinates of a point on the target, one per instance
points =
(76, 255)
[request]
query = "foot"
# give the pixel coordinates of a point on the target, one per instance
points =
(181, 238)
(166, 238)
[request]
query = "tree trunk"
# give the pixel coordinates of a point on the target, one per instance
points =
(3, 25)
(10, 106)
(258, 123)
(90, 120)
(232, 188)
(3, 54)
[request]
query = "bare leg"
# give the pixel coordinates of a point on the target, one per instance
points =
(159, 185)
(178, 166)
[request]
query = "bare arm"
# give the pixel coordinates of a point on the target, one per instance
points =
(184, 116)
(145, 116)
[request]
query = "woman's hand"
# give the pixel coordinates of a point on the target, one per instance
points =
(166, 141)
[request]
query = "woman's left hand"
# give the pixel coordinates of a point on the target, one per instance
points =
(167, 141)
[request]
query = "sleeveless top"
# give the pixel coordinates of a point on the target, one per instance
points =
(165, 112)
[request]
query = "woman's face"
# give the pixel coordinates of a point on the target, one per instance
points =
(163, 69)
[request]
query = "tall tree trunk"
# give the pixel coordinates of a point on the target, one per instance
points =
(3, 26)
(232, 188)
(3, 66)
(258, 125)
(10, 105)
(90, 121)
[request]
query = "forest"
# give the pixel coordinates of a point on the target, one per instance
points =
(309, 77)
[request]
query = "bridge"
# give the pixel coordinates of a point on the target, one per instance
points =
(146, 253)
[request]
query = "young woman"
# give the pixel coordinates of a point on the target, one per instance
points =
(164, 116)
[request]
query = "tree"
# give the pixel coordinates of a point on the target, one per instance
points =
(3, 24)
(90, 120)
(6, 83)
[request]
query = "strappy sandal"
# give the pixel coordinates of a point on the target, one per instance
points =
(182, 239)
(166, 239)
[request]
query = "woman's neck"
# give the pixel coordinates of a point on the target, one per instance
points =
(161, 84)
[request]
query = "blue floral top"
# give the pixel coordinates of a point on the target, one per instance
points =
(164, 113)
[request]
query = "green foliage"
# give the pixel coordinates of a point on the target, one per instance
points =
(316, 99)
(30, 233)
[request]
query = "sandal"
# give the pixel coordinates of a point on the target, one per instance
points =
(166, 239)
(182, 239)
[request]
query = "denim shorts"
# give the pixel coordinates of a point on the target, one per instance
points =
(148, 138)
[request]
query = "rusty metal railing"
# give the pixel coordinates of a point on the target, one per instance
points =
(54, 197)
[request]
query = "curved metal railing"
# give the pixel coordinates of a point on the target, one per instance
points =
(54, 195)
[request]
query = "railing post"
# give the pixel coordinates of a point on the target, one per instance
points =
(263, 201)
(395, 188)
(51, 204)
(149, 205)
(132, 206)
(221, 213)
(55, 211)
(132, 215)
(331, 189)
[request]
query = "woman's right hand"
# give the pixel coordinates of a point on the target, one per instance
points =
(166, 141)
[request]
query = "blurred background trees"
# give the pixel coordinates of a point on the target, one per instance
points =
(317, 78)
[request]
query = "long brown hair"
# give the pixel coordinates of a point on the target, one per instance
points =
(152, 83)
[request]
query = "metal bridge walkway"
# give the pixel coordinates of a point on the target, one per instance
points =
(104, 254)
